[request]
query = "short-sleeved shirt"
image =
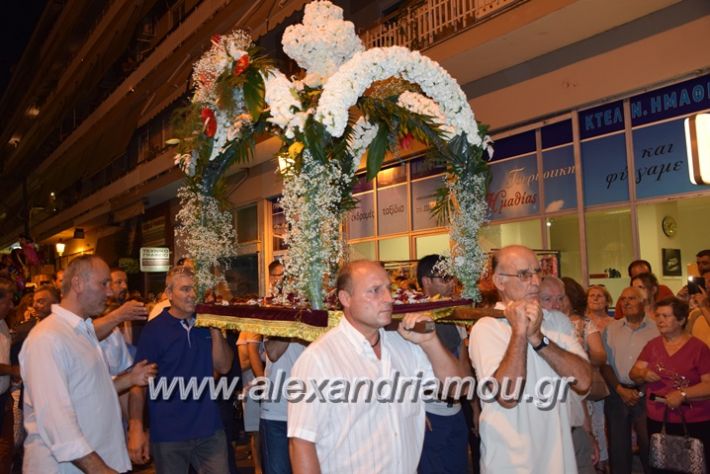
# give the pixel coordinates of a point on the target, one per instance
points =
(277, 409)
(118, 357)
(524, 438)
(680, 370)
(623, 345)
(698, 326)
(375, 436)
(181, 354)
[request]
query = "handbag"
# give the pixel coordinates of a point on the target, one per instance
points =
(598, 390)
(677, 453)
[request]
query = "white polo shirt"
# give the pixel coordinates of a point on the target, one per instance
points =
(361, 436)
(523, 439)
(70, 403)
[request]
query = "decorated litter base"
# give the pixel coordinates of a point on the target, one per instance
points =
(309, 324)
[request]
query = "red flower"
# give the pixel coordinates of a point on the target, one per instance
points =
(209, 122)
(406, 140)
(240, 65)
(215, 39)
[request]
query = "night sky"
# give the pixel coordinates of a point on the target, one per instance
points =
(19, 19)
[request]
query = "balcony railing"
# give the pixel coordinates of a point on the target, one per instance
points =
(422, 25)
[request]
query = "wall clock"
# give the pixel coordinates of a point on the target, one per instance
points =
(669, 226)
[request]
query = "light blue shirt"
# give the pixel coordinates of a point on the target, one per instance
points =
(624, 344)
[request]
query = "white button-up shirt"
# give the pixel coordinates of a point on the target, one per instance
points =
(524, 438)
(361, 436)
(70, 403)
(5, 342)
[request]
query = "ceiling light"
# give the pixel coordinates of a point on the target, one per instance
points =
(60, 248)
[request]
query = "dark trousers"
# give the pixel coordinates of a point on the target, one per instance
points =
(620, 419)
(274, 447)
(7, 439)
(699, 430)
(445, 445)
(205, 455)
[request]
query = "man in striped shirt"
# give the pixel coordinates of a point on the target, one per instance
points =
(340, 425)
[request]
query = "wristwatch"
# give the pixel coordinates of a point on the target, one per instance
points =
(543, 343)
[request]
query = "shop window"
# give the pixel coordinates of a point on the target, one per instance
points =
(392, 210)
(393, 175)
(361, 220)
(394, 249)
(432, 244)
(423, 201)
(670, 234)
(363, 250)
(609, 248)
(247, 224)
(563, 237)
(559, 175)
(495, 236)
(604, 175)
(661, 160)
(513, 191)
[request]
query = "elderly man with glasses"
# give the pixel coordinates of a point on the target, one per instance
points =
(521, 359)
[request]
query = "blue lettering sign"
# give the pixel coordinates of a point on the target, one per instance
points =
(678, 99)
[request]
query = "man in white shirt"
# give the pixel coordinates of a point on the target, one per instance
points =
(7, 291)
(529, 345)
(364, 434)
(72, 416)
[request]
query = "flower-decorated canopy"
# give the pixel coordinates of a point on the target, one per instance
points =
(350, 101)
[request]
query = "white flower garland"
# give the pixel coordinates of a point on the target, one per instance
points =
(343, 88)
(422, 105)
(323, 42)
(282, 98)
(207, 233)
(310, 203)
(363, 134)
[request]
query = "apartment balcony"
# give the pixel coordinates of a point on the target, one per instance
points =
(423, 24)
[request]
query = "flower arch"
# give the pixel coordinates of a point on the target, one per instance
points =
(348, 84)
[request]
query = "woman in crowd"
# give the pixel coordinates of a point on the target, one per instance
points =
(676, 366)
(648, 284)
(589, 336)
(598, 303)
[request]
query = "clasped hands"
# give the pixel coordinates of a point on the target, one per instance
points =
(525, 317)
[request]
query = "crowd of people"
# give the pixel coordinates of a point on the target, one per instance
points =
(75, 368)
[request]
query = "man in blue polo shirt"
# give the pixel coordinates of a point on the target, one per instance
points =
(184, 430)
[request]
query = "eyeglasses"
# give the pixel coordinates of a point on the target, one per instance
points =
(524, 275)
(444, 278)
